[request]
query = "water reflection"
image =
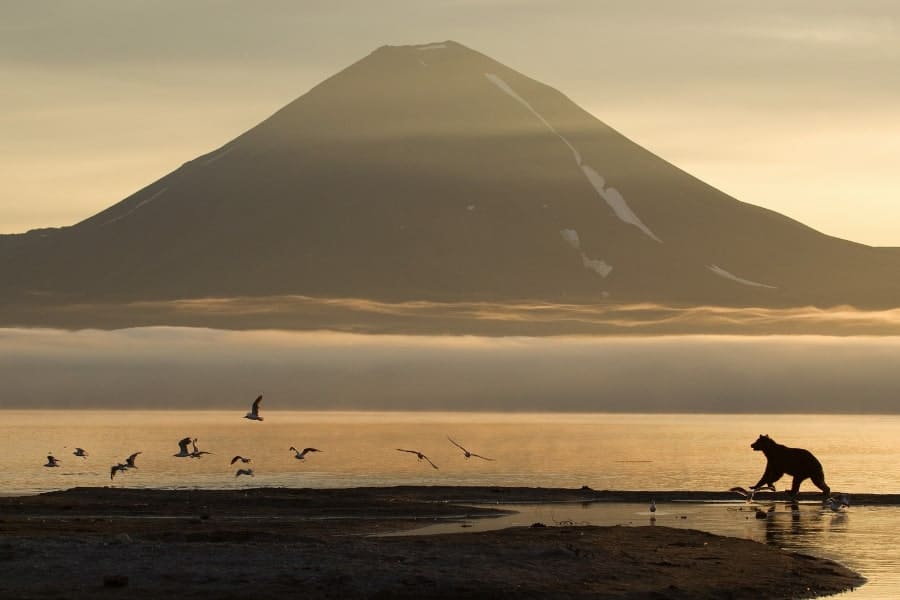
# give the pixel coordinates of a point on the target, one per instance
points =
(860, 537)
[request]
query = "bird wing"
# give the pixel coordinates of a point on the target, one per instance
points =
(130, 459)
(305, 450)
(410, 451)
(480, 456)
(456, 444)
(429, 461)
(235, 459)
(183, 444)
(254, 410)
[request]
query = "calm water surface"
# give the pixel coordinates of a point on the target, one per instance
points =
(603, 451)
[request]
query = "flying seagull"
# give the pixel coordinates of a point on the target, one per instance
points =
(116, 468)
(302, 455)
(183, 448)
(52, 461)
(129, 462)
(197, 453)
(253, 415)
(244, 472)
(419, 455)
(80, 452)
(466, 452)
(242, 459)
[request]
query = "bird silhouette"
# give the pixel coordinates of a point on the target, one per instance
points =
(242, 459)
(183, 448)
(253, 415)
(129, 462)
(196, 452)
(302, 455)
(466, 453)
(121, 467)
(419, 455)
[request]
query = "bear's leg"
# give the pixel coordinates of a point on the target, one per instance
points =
(769, 477)
(819, 480)
(795, 485)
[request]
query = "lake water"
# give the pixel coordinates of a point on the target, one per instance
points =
(603, 451)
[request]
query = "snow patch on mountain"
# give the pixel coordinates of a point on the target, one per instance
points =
(616, 202)
(727, 275)
(600, 267)
(496, 80)
(610, 195)
(143, 202)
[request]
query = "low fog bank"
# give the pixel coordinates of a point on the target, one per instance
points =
(166, 367)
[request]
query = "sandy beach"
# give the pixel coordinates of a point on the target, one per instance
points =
(138, 543)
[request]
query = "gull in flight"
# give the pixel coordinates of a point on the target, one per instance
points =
(302, 455)
(466, 452)
(748, 494)
(183, 448)
(419, 455)
(197, 453)
(117, 468)
(244, 472)
(253, 415)
(129, 462)
(52, 461)
(242, 459)
(80, 452)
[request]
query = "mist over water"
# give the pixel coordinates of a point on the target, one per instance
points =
(169, 367)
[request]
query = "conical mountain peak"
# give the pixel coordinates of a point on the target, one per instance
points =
(432, 171)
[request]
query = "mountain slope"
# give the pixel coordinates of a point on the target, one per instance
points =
(435, 172)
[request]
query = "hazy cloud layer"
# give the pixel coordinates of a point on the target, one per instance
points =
(792, 106)
(201, 368)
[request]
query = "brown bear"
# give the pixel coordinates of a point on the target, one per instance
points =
(794, 461)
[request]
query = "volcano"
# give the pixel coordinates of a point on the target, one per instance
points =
(434, 172)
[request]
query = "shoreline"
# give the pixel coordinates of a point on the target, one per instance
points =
(262, 541)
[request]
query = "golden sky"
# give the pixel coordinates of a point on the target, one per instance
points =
(792, 106)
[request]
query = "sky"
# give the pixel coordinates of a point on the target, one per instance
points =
(170, 367)
(794, 106)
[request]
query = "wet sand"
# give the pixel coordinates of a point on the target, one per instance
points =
(136, 543)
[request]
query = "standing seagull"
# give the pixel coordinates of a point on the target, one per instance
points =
(302, 455)
(52, 461)
(652, 505)
(244, 472)
(183, 448)
(80, 452)
(242, 459)
(466, 452)
(253, 415)
(419, 455)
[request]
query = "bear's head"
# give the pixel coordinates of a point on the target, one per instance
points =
(762, 443)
